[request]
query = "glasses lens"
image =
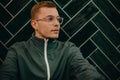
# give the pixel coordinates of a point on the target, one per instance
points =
(50, 19)
(60, 19)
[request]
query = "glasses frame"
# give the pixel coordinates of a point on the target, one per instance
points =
(52, 18)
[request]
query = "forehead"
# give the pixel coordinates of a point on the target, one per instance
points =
(48, 11)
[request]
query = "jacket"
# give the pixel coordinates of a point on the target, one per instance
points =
(38, 59)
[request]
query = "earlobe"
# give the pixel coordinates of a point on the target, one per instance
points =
(33, 24)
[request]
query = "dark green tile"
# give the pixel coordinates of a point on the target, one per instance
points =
(16, 5)
(80, 19)
(87, 48)
(107, 29)
(41, 0)
(62, 3)
(119, 48)
(102, 73)
(91, 62)
(109, 11)
(83, 34)
(118, 65)
(4, 34)
(62, 36)
(20, 20)
(75, 6)
(105, 65)
(4, 2)
(62, 14)
(3, 51)
(116, 3)
(4, 16)
(1, 61)
(106, 47)
(23, 35)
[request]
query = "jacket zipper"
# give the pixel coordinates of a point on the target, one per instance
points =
(46, 59)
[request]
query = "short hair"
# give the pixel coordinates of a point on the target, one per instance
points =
(36, 7)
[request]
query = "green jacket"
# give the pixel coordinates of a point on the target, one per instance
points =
(38, 59)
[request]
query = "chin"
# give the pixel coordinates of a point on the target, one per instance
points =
(54, 37)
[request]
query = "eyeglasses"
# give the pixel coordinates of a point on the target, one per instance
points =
(50, 19)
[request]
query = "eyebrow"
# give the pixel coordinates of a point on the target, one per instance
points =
(51, 16)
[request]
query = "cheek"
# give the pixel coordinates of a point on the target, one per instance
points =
(45, 30)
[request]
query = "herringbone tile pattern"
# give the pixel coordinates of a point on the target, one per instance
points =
(93, 25)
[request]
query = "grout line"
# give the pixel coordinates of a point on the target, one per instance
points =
(114, 6)
(106, 17)
(67, 4)
(88, 38)
(119, 29)
(36, 1)
(3, 44)
(93, 33)
(82, 9)
(1, 60)
(2, 5)
(105, 55)
(118, 46)
(8, 3)
(18, 12)
(118, 78)
(83, 26)
(6, 29)
(6, 10)
(99, 68)
(106, 37)
(76, 14)
(1, 23)
(118, 63)
(61, 9)
(9, 12)
(17, 32)
(65, 32)
(91, 53)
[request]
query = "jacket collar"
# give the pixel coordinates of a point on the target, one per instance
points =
(38, 42)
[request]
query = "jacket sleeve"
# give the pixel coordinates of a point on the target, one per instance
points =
(80, 68)
(8, 69)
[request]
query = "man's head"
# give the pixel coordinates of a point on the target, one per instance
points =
(45, 20)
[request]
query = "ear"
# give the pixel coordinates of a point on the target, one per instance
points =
(33, 24)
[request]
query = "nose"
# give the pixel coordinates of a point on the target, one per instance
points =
(56, 22)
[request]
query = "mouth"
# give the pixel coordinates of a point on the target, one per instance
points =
(55, 30)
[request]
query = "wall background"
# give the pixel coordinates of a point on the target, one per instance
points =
(93, 25)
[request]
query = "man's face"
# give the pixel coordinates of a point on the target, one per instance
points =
(46, 24)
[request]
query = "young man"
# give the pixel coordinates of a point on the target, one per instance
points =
(43, 57)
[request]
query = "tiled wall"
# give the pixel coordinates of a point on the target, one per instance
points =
(93, 25)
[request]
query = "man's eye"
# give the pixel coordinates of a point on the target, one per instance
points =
(50, 19)
(59, 19)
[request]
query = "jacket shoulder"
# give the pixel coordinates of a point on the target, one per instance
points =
(18, 45)
(67, 44)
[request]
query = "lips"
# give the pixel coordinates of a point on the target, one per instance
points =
(55, 30)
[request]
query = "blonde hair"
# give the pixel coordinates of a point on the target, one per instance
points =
(36, 7)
